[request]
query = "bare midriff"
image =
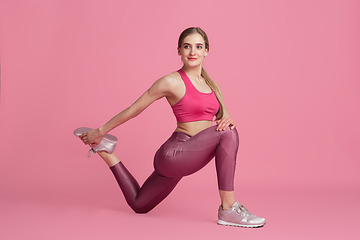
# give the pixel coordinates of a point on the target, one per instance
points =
(193, 128)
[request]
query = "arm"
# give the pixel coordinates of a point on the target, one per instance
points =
(161, 88)
(226, 120)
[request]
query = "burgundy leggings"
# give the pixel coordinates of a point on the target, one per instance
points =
(179, 156)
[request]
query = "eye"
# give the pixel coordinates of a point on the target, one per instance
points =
(186, 46)
(199, 47)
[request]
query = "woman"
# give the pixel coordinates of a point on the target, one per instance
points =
(195, 100)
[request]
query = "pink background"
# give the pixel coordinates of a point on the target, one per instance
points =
(289, 72)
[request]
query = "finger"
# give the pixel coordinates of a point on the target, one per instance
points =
(217, 125)
(221, 126)
(226, 126)
(218, 128)
(224, 123)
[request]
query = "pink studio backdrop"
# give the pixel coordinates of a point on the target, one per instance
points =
(288, 70)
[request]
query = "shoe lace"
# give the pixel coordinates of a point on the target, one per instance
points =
(243, 210)
(90, 152)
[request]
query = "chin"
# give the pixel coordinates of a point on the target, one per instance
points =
(193, 64)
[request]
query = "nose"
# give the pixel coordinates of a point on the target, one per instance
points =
(192, 52)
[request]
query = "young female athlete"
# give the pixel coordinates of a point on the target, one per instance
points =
(195, 100)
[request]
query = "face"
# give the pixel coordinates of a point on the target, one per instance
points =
(193, 50)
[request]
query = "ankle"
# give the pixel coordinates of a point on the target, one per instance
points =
(110, 159)
(227, 205)
(225, 208)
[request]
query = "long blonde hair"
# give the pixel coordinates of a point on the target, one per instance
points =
(208, 80)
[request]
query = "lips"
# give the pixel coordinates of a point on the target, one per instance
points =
(192, 59)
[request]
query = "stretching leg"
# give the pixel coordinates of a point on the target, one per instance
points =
(155, 189)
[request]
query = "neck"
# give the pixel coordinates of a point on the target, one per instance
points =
(193, 72)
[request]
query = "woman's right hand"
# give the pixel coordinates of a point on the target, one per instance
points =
(92, 137)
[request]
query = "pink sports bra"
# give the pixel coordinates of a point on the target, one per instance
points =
(195, 105)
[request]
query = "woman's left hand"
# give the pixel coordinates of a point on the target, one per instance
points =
(224, 123)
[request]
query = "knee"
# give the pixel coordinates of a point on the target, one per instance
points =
(231, 134)
(141, 211)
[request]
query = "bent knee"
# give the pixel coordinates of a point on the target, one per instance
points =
(230, 134)
(141, 211)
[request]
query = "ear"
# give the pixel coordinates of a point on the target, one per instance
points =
(206, 52)
(178, 49)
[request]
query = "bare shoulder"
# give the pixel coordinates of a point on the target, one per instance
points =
(166, 86)
(169, 83)
(172, 79)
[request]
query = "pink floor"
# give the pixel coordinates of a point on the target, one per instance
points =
(314, 213)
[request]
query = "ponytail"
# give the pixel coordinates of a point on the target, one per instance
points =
(216, 90)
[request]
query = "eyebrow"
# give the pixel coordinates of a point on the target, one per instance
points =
(195, 44)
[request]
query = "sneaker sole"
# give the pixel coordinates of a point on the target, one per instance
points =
(222, 222)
